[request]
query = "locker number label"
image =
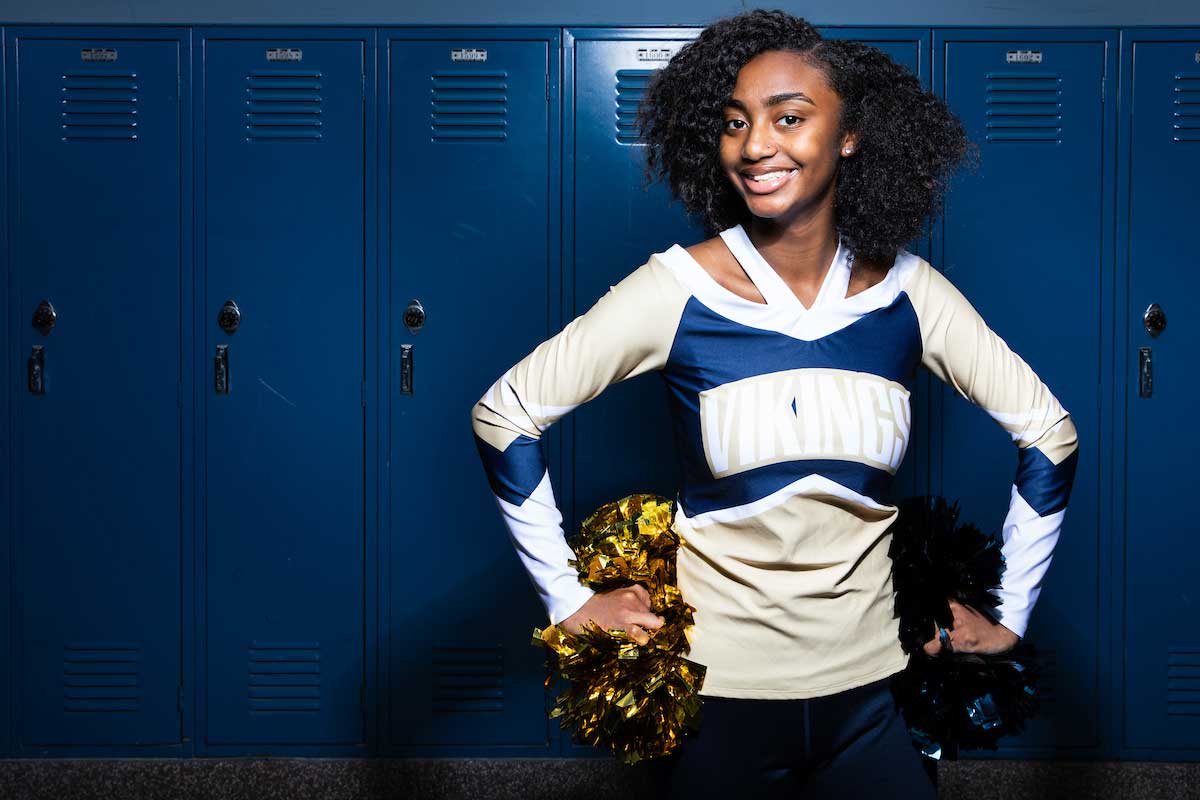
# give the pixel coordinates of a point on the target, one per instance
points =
(468, 54)
(284, 54)
(1024, 57)
(98, 54)
(654, 54)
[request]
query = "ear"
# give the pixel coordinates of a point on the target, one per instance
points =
(850, 143)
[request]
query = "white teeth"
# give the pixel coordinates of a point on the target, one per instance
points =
(770, 176)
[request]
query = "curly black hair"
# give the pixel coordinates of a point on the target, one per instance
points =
(909, 141)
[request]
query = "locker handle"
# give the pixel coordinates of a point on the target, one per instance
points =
(37, 370)
(221, 369)
(1145, 372)
(406, 369)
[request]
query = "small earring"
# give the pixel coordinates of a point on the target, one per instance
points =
(847, 151)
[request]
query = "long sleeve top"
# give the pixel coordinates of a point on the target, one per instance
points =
(790, 423)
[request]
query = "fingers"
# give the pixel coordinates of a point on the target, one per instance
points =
(938, 644)
(934, 645)
(639, 621)
(642, 593)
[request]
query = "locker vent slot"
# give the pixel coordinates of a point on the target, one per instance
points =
(285, 676)
(283, 105)
(631, 88)
(101, 676)
(99, 106)
(468, 678)
(1024, 107)
(1185, 122)
(468, 105)
(1183, 682)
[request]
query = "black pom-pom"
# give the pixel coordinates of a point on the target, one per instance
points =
(935, 558)
(953, 700)
(965, 700)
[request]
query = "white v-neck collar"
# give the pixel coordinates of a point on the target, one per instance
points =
(773, 288)
(791, 318)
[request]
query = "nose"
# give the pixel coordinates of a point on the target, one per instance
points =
(759, 143)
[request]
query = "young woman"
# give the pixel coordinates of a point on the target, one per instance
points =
(789, 344)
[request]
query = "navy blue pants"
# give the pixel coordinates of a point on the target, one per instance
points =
(852, 744)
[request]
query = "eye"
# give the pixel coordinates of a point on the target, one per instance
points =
(730, 122)
(794, 119)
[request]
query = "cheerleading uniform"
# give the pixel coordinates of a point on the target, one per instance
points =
(790, 423)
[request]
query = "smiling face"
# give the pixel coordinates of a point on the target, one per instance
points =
(779, 143)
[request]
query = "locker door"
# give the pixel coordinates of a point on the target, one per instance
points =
(469, 132)
(622, 440)
(283, 217)
(6, 445)
(1023, 238)
(1162, 558)
(96, 152)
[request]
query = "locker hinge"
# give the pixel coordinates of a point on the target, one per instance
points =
(1103, 87)
(363, 87)
(547, 87)
(178, 88)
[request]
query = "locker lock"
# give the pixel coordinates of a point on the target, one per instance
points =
(229, 317)
(44, 317)
(414, 316)
(1155, 320)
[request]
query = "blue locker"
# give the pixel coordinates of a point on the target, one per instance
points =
(6, 654)
(95, 144)
(1024, 239)
(621, 442)
(471, 136)
(1160, 76)
(282, 216)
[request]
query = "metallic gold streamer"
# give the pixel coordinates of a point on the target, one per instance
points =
(636, 701)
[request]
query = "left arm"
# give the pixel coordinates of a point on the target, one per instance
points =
(963, 351)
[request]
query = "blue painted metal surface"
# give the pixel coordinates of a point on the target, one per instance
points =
(6, 432)
(282, 221)
(471, 137)
(620, 442)
(1025, 240)
(294, 243)
(95, 141)
(1161, 169)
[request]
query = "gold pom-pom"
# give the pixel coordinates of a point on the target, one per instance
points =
(637, 701)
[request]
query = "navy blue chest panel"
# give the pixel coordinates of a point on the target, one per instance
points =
(711, 352)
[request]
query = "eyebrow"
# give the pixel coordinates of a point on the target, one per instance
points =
(774, 99)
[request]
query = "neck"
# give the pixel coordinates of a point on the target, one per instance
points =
(801, 249)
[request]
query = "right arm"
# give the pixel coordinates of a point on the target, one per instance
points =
(628, 331)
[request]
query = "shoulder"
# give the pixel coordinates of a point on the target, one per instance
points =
(653, 284)
(716, 259)
(938, 303)
(917, 277)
